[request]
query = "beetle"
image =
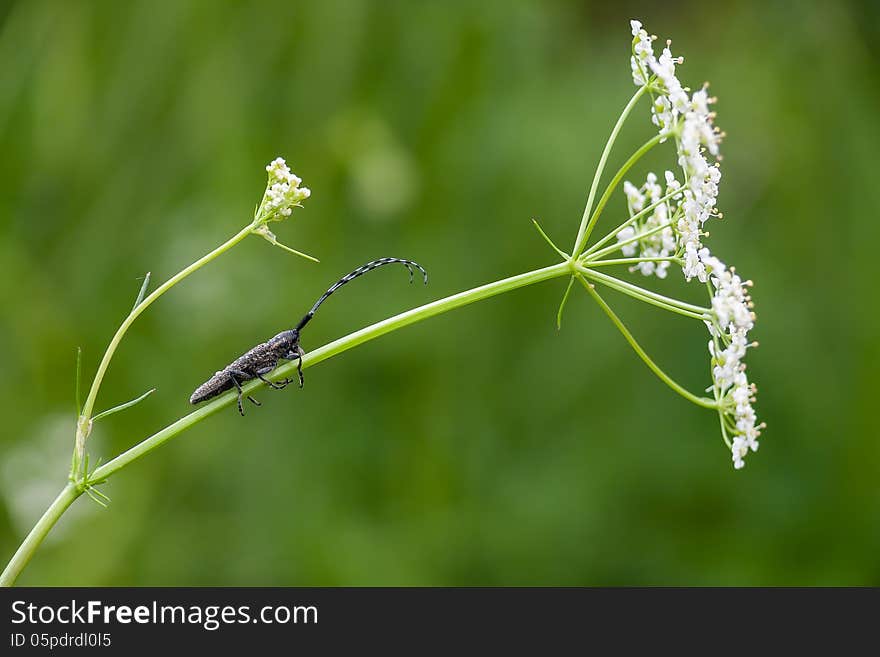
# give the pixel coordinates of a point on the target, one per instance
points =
(262, 359)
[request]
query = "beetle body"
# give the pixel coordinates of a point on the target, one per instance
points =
(253, 364)
(262, 359)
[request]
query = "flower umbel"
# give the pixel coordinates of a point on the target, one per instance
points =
(283, 193)
(666, 226)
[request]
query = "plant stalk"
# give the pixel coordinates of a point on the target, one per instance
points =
(582, 236)
(84, 422)
(32, 541)
(705, 402)
(27, 549)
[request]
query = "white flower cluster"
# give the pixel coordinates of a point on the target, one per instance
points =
(675, 227)
(689, 119)
(732, 320)
(651, 236)
(283, 192)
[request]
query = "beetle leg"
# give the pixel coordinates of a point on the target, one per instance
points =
(240, 393)
(299, 364)
(279, 385)
(244, 376)
(296, 353)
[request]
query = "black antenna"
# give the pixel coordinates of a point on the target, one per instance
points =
(360, 271)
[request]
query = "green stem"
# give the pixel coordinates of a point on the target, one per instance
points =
(84, 422)
(705, 402)
(563, 302)
(721, 418)
(630, 261)
(646, 298)
(632, 219)
(648, 294)
(143, 305)
(546, 237)
(30, 544)
(73, 490)
(582, 235)
(615, 181)
(638, 237)
(334, 349)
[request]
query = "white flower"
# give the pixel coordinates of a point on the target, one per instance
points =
(283, 192)
(731, 302)
(739, 449)
(657, 239)
(643, 54)
(732, 320)
(664, 68)
(629, 250)
(652, 190)
(690, 120)
(693, 267)
(280, 172)
(675, 228)
(634, 197)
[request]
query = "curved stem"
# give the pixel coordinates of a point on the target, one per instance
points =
(637, 238)
(705, 402)
(143, 305)
(85, 420)
(563, 302)
(546, 237)
(630, 287)
(615, 181)
(611, 235)
(72, 490)
(32, 541)
(582, 235)
(333, 349)
(652, 300)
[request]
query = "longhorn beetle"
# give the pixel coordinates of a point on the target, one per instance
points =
(263, 358)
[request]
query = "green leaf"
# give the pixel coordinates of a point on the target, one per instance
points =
(140, 296)
(562, 303)
(122, 407)
(295, 252)
(549, 241)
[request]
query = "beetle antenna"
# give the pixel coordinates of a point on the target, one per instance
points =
(360, 271)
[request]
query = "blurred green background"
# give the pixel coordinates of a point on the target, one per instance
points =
(483, 446)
